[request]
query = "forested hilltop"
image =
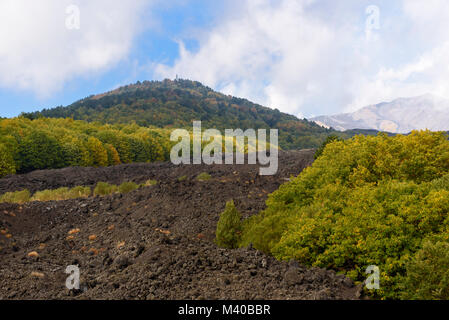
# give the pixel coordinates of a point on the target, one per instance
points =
(176, 104)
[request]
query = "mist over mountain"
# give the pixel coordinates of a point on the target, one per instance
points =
(398, 116)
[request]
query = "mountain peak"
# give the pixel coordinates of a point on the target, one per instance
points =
(143, 85)
(402, 115)
(177, 103)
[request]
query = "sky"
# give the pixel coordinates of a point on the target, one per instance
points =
(304, 57)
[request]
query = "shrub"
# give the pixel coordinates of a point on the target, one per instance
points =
(229, 227)
(428, 273)
(150, 183)
(79, 192)
(46, 195)
(182, 178)
(203, 176)
(52, 195)
(16, 197)
(104, 188)
(329, 139)
(364, 201)
(127, 187)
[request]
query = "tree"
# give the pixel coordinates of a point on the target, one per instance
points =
(229, 227)
(38, 151)
(54, 143)
(113, 156)
(7, 165)
(98, 152)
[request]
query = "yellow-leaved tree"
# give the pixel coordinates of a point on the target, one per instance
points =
(98, 152)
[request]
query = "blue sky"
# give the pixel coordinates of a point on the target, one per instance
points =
(155, 44)
(304, 57)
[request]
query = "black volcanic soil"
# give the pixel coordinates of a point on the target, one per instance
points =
(153, 243)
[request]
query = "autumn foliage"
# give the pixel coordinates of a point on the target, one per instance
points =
(27, 145)
(365, 201)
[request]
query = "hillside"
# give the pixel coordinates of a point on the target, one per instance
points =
(175, 104)
(399, 116)
(153, 243)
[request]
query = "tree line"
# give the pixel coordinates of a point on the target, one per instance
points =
(27, 145)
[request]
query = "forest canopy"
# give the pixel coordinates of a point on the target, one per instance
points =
(27, 145)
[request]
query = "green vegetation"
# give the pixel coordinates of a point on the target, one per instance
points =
(204, 176)
(127, 187)
(329, 139)
(428, 273)
(62, 194)
(150, 183)
(79, 192)
(7, 165)
(101, 189)
(182, 178)
(134, 123)
(16, 197)
(366, 201)
(104, 189)
(176, 104)
(229, 227)
(27, 145)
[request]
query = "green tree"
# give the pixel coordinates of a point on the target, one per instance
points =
(38, 150)
(7, 165)
(229, 227)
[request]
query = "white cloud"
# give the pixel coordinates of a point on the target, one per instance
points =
(312, 57)
(425, 72)
(39, 53)
(302, 56)
(429, 19)
(269, 53)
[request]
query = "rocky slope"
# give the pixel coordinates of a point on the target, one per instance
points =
(153, 243)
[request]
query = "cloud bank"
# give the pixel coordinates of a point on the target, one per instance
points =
(304, 57)
(39, 53)
(310, 57)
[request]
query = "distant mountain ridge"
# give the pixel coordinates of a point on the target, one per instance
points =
(398, 116)
(176, 104)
